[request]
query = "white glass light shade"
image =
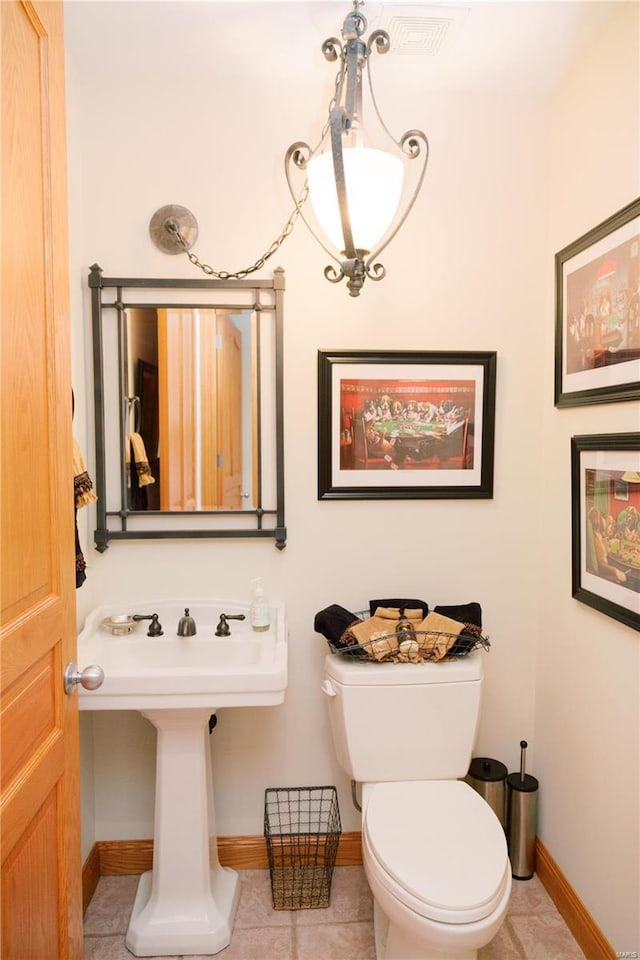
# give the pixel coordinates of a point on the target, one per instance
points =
(373, 181)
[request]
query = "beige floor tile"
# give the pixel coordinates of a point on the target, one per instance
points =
(529, 896)
(502, 947)
(272, 943)
(335, 941)
(534, 930)
(255, 908)
(108, 948)
(351, 900)
(545, 936)
(110, 908)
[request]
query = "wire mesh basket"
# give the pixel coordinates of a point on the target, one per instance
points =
(412, 645)
(302, 830)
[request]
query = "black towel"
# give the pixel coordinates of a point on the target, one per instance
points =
(333, 621)
(463, 613)
(471, 615)
(400, 604)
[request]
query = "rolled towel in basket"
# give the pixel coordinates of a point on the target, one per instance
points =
(399, 605)
(395, 614)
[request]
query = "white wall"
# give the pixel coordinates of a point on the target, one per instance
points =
(470, 270)
(587, 718)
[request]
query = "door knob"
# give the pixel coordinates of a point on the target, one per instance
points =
(90, 678)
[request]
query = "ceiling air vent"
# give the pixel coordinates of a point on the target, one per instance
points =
(422, 31)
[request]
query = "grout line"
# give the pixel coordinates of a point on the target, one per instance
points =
(515, 939)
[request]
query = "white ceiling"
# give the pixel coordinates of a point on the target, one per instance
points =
(518, 45)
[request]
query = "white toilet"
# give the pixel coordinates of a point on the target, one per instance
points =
(433, 850)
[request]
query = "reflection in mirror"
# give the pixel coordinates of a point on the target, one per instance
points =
(188, 400)
(191, 391)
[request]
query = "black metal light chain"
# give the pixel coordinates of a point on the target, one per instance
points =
(172, 227)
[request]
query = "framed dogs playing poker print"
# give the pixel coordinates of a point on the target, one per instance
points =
(597, 336)
(400, 424)
(605, 508)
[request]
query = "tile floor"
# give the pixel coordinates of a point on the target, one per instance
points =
(534, 930)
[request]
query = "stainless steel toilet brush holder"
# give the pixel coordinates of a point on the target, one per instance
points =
(522, 819)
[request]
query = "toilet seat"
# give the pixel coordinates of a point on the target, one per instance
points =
(437, 847)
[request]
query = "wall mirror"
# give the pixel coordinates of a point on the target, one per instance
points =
(188, 394)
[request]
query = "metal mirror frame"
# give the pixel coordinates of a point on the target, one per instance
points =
(101, 299)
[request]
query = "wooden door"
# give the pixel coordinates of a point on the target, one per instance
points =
(229, 414)
(177, 400)
(39, 804)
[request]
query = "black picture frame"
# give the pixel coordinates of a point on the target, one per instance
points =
(606, 545)
(597, 313)
(444, 453)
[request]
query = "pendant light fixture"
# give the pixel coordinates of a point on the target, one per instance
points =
(355, 188)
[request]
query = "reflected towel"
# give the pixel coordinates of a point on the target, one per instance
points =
(134, 448)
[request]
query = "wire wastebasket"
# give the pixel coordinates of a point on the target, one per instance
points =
(302, 830)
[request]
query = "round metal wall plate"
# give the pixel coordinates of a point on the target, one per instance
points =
(182, 219)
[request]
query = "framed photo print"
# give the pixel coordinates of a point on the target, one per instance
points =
(394, 424)
(597, 337)
(605, 508)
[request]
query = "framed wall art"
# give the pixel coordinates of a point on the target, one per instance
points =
(597, 336)
(394, 424)
(606, 525)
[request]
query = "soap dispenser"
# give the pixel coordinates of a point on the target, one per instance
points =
(259, 609)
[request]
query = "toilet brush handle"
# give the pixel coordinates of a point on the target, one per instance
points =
(523, 748)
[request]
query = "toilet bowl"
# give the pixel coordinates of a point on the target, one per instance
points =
(434, 852)
(435, 857)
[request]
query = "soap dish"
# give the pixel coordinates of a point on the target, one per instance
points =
(119, 624)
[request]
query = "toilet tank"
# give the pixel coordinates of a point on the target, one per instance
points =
(403, 721)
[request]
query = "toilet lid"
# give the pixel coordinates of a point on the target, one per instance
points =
(438, 847)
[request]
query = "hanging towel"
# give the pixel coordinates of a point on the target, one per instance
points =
(135, 449)
(82, 495)
(82, 485)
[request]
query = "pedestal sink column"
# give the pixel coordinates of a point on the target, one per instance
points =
(186, 904)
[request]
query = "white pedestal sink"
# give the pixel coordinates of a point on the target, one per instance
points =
(186, 904)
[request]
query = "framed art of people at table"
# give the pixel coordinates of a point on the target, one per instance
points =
(597, 335)
(398, 424)
(605, 507)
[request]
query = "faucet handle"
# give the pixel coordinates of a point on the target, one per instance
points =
(222, 630)
(155, 627)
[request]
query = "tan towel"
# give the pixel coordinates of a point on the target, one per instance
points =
(376, 634)
(436, 635)
(135, 443)
(82, 485)
(393, 613)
